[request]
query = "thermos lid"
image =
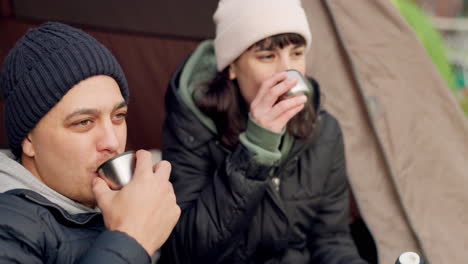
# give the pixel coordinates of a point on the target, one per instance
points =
(409, 258)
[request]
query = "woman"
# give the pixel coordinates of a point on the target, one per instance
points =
(260, 176)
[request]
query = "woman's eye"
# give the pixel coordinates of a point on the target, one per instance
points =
(298, 53)
(266, 57)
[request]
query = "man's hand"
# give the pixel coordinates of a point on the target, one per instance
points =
(145, 208)
(271, 113)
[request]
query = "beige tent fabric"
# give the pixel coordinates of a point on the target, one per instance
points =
(398, 119)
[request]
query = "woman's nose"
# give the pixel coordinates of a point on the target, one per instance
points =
(284, 64)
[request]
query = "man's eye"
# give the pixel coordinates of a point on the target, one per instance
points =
(83, 122)
(121, 115)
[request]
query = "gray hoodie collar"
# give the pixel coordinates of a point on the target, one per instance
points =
(14, 176)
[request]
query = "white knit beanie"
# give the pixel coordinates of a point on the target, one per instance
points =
(242, 23)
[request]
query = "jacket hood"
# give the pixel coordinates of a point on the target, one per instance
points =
(200, 68)
(14, 176)
(180, 107)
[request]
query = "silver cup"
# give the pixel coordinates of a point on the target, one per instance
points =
(302, 86)
(118, 170)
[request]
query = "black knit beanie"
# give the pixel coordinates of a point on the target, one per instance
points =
(40, 69)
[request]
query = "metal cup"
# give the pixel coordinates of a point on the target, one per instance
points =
(118, 170)
(302, 86)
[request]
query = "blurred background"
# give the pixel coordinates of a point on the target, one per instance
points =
(442, 27)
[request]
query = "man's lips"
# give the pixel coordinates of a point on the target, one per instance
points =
(96, 167)
(98, 164)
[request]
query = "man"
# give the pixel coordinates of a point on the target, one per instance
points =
(65, 106)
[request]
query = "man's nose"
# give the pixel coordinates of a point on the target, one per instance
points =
(108, 139)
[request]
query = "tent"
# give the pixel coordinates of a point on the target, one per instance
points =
(406, 138)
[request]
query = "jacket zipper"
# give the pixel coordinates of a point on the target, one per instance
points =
(276, 178)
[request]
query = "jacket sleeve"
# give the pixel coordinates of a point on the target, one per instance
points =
(16, 245)
(115, 247)
(217, 202)
(331, 240)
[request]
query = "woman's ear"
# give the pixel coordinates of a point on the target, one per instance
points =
(232, 72)
(28, 147)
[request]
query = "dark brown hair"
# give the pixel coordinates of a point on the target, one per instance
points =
(222, 101)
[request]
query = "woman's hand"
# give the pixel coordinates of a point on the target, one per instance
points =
(271, 113)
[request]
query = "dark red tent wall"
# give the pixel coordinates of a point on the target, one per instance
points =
(149, 38)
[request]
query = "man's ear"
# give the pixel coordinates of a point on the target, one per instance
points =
(28, 147)
(232, 72)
